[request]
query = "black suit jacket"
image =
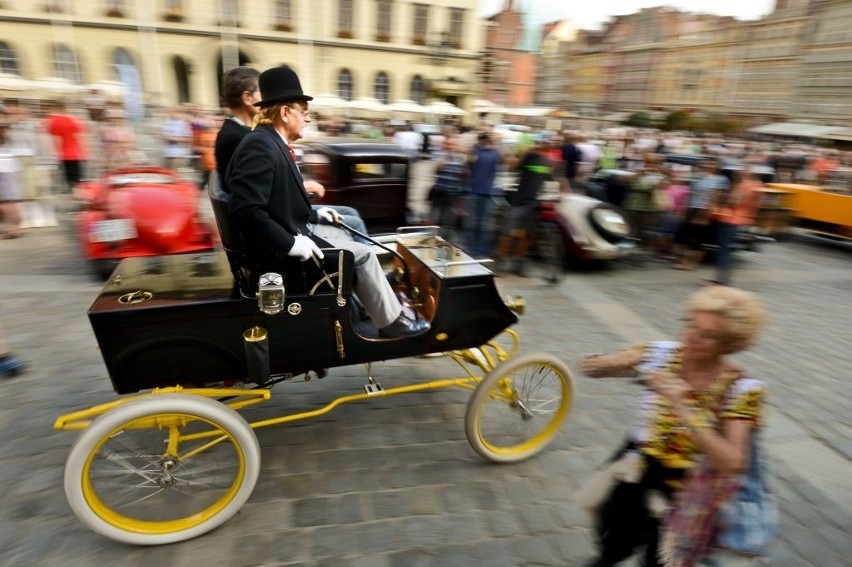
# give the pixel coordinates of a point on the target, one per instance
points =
(268, 201)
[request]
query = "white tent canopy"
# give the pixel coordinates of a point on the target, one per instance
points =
(484, 105)
(109, 88)
(15, 83)
(406, 106)
(444, 108)
(328, 101)
(795, 129)
(530, 111)
(368, 104)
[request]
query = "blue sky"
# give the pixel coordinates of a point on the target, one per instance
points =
(591, 15)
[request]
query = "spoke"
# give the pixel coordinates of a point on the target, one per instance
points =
(142, 499)
(114, 457)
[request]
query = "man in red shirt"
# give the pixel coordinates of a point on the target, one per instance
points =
(67, 132)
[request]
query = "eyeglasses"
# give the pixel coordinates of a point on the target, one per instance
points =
(306, 114)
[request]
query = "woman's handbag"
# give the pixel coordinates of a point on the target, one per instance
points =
(748, 522)
(737, 513)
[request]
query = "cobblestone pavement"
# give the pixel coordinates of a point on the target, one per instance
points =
(393, 482)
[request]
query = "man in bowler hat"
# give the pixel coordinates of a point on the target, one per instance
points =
(272, 211)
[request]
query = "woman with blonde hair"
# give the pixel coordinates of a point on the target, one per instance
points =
(695, 403)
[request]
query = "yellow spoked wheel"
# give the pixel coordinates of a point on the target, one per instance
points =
(518, 408)
(162, 469)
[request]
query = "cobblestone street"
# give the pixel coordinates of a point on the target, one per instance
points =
(393, 482)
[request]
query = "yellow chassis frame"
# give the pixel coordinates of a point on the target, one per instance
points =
(484, 359)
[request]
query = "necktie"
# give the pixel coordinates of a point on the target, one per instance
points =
(292, 152)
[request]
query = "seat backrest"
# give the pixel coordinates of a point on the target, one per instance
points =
(231, 240)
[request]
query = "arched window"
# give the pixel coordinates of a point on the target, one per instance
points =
(121, 59)
(381, 87)
(8, 60)
(65, 65)
(345, 86)
(418, 89)
(181, 71)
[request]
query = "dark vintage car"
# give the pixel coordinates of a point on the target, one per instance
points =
(139, 211)
(371, 176)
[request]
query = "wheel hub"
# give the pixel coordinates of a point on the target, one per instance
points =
(166, 478)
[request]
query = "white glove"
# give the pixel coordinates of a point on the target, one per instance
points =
(329, 216)
(304, 248)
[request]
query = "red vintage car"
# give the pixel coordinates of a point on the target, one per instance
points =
(139, 211)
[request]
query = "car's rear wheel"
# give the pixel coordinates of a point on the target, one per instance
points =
(162, 469)
(612, 223)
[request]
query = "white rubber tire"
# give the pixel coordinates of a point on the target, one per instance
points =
(90, 439)
(550, 413)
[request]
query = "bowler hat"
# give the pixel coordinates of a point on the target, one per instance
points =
(280, 84)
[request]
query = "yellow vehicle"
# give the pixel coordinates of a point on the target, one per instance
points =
(818, 210)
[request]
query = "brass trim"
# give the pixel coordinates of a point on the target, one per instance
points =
(255, 334)
(135, 297)
(338, 335)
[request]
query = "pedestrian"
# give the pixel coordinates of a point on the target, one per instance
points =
(67, 132)
(271, 209)
(572, 156)
(451, 173)
(176, 136)
(10, 185)
(671, 202)
(483, 161)
(641, 200)
(716, 405)
(516, 234)
(696, 231)
(117, 140)
(734, 210)
(205, 148)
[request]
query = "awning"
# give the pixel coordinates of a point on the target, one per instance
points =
(841, 135)
(796, 129)
(531, 111)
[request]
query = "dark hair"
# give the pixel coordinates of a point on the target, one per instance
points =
(235, 82)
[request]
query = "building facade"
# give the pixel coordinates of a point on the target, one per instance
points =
(509, 58)
(697, 65)
(174, 51)
(552, 80)
(795, 63)
(823, 90)
(768, 69)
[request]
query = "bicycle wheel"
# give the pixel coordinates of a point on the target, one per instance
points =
(550, 251)
(518, 408)
(162, 469)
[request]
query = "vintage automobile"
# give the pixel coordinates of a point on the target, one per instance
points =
(210, 334)
(573, 230)
(371, 176)
(139, 211)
